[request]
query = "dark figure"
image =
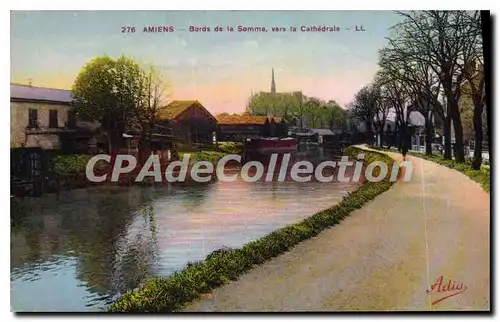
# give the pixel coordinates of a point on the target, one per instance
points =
(406, 145)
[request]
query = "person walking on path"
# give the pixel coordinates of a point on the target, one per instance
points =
(406, 144)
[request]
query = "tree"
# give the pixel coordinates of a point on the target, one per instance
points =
(445, 41)
(336, 116)
(153, 97)
(313, 110)
(474, 87)
(396, 94)
(363, 108)
(419, 82)
(107, 91)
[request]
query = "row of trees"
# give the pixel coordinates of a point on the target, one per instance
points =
(433, 64)
(306, 111)
(122, 96)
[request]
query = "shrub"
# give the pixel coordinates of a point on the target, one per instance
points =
(70, 164)
(211, 156)
(231, 147)
(222, 266)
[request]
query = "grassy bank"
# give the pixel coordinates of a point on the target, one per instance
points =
(209, 152)
(211, 156)
(222, 266)
(481, 176)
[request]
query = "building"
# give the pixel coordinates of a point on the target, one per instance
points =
(236, 128)
(41, 117)
(325, 136)
(190, 121)
(268, 103)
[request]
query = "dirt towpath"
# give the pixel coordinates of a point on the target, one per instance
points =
(384, 256)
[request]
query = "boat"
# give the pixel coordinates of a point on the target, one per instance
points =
(271, 144)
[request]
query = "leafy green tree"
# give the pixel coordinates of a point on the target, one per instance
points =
(107, 91)
(336, 116)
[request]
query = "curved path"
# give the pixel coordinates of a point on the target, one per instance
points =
(384, 256)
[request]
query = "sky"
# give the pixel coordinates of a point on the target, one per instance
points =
(219, 69)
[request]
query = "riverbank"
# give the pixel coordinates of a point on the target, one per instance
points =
(397, 253)
(225, 265)
(481, 176)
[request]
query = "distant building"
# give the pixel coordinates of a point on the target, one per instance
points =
(41, 117)
(239, 127)
(190, 121)
(272, 98)
(325, 136)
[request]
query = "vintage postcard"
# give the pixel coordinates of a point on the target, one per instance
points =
(250, 161)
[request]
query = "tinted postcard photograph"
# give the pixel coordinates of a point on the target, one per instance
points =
(250, 161)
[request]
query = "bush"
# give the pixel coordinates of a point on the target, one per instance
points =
(70, 164)
(222, 266)
(210, 156)
(231, 147)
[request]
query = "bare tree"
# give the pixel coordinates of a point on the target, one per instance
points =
(147, 112)
(442, 39)
(474, 84)
(364, 107)
(382, 108)
(396, 94)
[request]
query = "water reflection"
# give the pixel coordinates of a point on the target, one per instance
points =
(80, 251)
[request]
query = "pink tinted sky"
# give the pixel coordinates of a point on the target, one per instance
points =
(219, 69)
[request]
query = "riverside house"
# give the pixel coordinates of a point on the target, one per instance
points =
(190, 121)
(41, 117)
(239, 127)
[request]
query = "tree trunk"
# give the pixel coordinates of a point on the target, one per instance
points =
(478, 134)
(428, 136)
(486, 25)
(447, 137)
(369, 133)
(459, 143)
(404, 139)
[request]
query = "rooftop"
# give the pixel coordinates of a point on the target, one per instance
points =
(323, 132)
(245, 119)
(26, 92)
(175, 108)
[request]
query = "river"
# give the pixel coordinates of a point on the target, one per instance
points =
(80, 250)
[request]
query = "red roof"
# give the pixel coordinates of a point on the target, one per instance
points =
(245, 119)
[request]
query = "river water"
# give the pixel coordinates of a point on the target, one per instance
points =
(80, 250)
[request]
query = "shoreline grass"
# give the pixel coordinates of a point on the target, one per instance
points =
(225, 265)
(481, 176)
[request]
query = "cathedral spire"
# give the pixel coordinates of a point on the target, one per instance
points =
(273, 84)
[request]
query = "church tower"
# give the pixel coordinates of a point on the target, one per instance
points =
(273, 84)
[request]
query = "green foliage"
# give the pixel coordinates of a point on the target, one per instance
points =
(70, 164)
(119, 94)
(106, 87)
(210, 156)
(313, 112)
(222, 266)
(231, 147)
(223, 147)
